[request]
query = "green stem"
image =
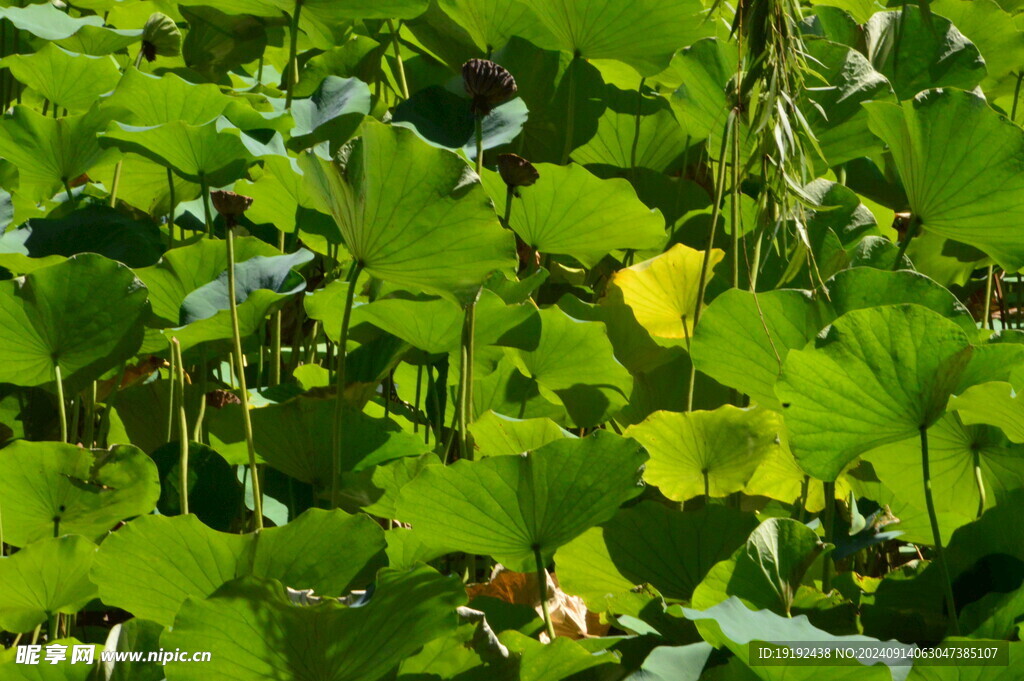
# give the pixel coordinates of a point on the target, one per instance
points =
(466, 394)
(1016, 96)
(109, 407)
(75, 411)
(987, 318)
(115, 184)
(980, 482)
(479, 129)
(716, 211)
(339, 405)
(929, 502)
(830, 522)
(170, 209)
(257, 495)
(542, 589)
(61, 409)
(734, 202)
(207, 219)
(197, 433)
(416, 399)
(570, 110)
(911, 233)
(182, 427)
(171, 395)
(293, 56)
(138, 58)
(805, 489)
(275, 332)
(398, 59)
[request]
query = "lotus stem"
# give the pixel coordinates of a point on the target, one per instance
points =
(479, 131)
(987, 318)
(293, 56)
(716, 211)
(980, 482)
(636, 127)
(182, 425)
(542, 588)
(466, 371)
(275, 331)
(1016, 97)
(936, 534)
(416, 399)
(398, 59)
(197, 433)
(109, 406)
(61, 408)
(829, 488)
(339, 405)
(257, 495)
(171, 394)
(115, 184)
(734, 204)
(170, 209)
(911, 233)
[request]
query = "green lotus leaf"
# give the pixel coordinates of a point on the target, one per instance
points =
(878, 376)
(83, 315)
(916, 53)
(570, 211)
(491, 23)
(100, 41)
(509, 506)
(765, 573)
(214, 491)
(549, 87)
(676, 663)
(46, 577)
(280, 198)
(213, 152)
(737, 626)
(290, 437)
(995, 403)
(651, 544)
(400, 219)
(72, 81)
(187, 268)
(957, 454)
(331, 113)
(143, 99)
(732, 343)
(445, 119)
(50, 154)
(645, 35)
(506, 390)
(575, 363)
(562, 658)
(262, 283)
(327, 551)
(704, 70)
(135, 635)
(254, 631)
(497, 435)
(843, 78)
(433, 325)
(47, 22)
(659, 140)
(733, 346)
(91, 229)
(218, 42)
(958, 188)
(706, 452)
(780, 477)
(48, 486)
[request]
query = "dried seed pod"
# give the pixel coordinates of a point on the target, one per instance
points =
(516, 171)
(218, 399)
(230, 204)
(488, 84)
(160, 36)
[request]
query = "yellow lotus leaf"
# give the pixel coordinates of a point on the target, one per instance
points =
(662, 291)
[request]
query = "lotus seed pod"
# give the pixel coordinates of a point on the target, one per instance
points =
(516, 171)
(488, 84)
(230, 204)
(160, 36)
